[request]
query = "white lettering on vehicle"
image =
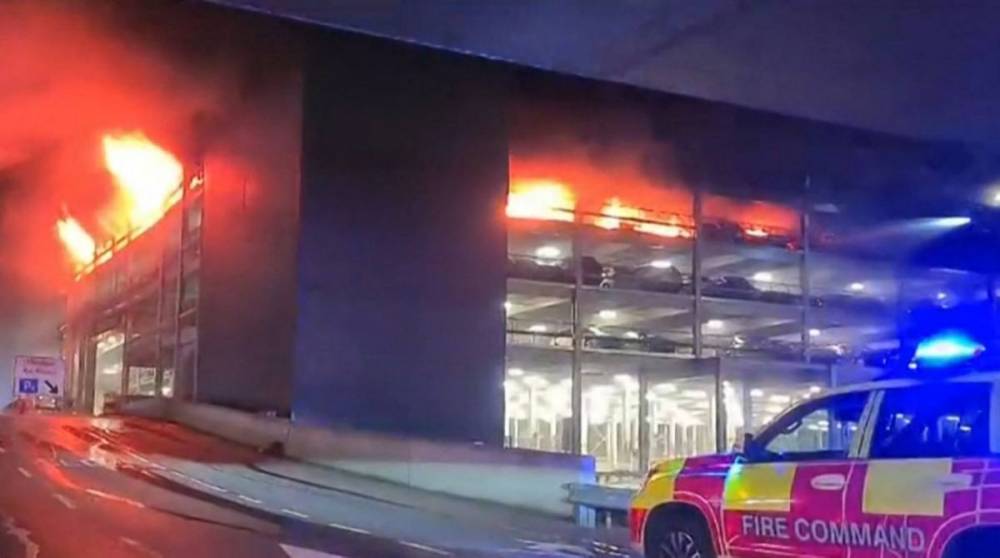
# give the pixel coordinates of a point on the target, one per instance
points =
(822, 531)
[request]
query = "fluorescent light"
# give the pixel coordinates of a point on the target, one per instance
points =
(607, 314)
(661, 264)
(548, 252)
(947, 222)
(714, 324)
(856, 287)
(763, 276)
(566, 382)
(625, 379)
(507, 306)
(774, 409)
(694, 393)
(515, 372)
(538, 328)
(814, 332)
(535, 381)
(782, 399)
(756, 393)
(665, 387)
(815, 389)
(632, 334)
(942, 295)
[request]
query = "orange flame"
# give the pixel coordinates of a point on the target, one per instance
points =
(78, 242)
(147, 175)
(540, 199)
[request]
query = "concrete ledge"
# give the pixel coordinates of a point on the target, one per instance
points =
(526, 479)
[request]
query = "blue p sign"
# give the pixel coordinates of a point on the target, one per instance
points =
(27, 385)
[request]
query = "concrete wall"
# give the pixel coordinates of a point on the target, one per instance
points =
(403, 244)
(520, 478)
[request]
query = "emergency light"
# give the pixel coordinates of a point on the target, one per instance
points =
(946, 349)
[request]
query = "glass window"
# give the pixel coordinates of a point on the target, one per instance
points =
(823, 429)
(949, 420)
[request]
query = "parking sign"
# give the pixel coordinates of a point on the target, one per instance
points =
(39, 375)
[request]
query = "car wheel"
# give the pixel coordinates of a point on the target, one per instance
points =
(679, 537)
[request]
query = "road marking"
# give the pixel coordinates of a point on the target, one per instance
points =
(24, 472)
(349, 528)
(294, 513)
(299, 552)
(139, 546)
(425, 548)
(249, 499)
(114, 498)
(65, 501)
(207, 485)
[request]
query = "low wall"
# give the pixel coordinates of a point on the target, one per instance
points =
(521, 478)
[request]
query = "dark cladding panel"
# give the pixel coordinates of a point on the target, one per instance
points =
(246, 310)
(402, 248)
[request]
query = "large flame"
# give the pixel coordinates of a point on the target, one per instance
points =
(78, 242)
(540, 199)
(148, 179)
(147, 175)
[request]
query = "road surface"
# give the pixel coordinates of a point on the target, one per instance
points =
(75, 486)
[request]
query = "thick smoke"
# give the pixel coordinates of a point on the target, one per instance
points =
(71, 71)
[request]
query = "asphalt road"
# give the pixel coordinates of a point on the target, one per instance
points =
(70, 488)
(76, 486)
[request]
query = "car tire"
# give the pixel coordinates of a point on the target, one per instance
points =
(678, 536)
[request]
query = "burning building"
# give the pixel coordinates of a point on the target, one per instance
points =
(399, 239)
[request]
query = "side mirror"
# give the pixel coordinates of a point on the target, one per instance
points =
(751, 451)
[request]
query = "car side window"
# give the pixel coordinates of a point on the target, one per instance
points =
(941, 420)
(818, 430)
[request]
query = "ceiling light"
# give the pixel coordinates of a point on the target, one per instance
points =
(714, 324)
(597, 331)
(625, 379)
(814, 332)
(694, 393)
(566, 382)
(538, 328)
(774, 409)
(515, 372)
(782, 399)
(815, 389)
(548, 252)
(942, 295)
(536, 381)
(763, 276)
(507, 306)
(661, 264)
(665, 387)
(607, 314)
(756, 393)
(632, 334)
(856, 287)
(701, 405)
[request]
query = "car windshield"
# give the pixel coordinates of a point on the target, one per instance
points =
(436, 278)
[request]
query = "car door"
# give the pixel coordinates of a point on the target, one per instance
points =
(929, 451)
(782, 496)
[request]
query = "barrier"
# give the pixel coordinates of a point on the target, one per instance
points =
(526, 479)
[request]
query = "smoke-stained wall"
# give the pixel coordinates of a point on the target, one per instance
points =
(402, 248)
(246, 310)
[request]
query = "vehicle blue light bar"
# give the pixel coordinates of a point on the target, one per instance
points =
(946, 349)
